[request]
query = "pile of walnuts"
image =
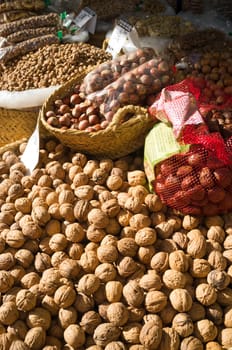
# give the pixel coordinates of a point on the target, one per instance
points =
(91, 260)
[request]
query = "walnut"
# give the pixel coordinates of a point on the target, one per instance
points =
(213, 345)
(200, 268)
(190, 222)
(218, 279)
(89, 321)
(135, 314)
(105, 333)
(66, 211)
(179, 261)
(127, 246)
(39, 317)
(215, 220)
(217, 260)
(225, 337)
(111, 207)
(224, 297)
(74, 232)
(115, 345)
(69, 268)
(49, 304)
(42, 262)
(124, 217)
(155, 301)
(75, 250)
(145, 254)
(133, 293)
(24, 257)
(84, 303)
(180, 299)
(214, 312)
(107, 253)
(23, 204)
(113, 290)
(139, 221)
(196, 246)
(18, 329)
(7, 261)
(183, 324)
(227, 242)
(57, 258)
(136, 177)
(174, 279)
(18, 345)
(216, 233)
(89, 261)
(131, 332)
(88, 284)
(6, 281)
(15, 238)
(117, 313)
(81, 210)
(106, 272)
(40, 215)
(170, 339)
(228, 317)
(150, 335)
(30, 279)
(164, 229)
(197, 311)
(74, 335)
(145, 236)
(67, 316)
(127, 266)
(205, 330)
(181, 239)
(191, 343)
(150, 281)
(167, 313)
(133, 204)
(25, 300)
(205, 294)
(160, 262)
(64, 296)
(5, 340)
(8, 313)
(58, 242)
(31, 230)
(98, 217)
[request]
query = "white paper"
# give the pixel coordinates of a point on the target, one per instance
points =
(86, 19)
(118, 38)
(30, 156)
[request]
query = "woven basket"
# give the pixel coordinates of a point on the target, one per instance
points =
(120, 138)
(16, 124)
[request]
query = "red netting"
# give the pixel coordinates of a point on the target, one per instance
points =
(198, 182)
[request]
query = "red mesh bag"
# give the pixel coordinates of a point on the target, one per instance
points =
(198, 182)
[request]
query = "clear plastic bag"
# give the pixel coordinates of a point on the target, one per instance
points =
(133, 87)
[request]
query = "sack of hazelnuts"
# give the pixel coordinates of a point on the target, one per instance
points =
(187, 165)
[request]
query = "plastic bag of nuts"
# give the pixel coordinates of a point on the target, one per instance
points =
(107, 72)
(133, 87)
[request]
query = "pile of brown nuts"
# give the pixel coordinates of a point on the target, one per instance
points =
(91, 260)
(50, 65)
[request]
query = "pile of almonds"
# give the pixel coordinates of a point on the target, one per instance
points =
(91, 260)
(50, 65)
